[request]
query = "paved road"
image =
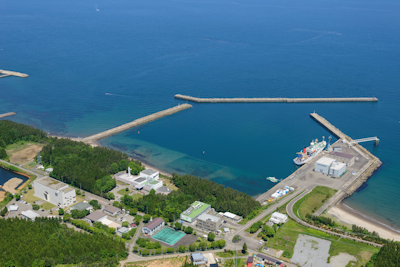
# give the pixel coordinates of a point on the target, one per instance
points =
(36, 172)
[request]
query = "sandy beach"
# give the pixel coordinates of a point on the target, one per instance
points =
(346, 215)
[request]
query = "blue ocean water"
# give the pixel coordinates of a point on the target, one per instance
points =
(94, 65)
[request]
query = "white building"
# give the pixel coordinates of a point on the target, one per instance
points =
(82, 206)
(278, 218)
(95, 216)
(55, 192)
(122, 230)
(29, 215)
(147, 179)
(153, 226)
(329, 166)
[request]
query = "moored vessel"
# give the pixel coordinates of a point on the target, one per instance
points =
(310, 152)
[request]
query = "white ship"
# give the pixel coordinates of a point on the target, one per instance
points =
(310, 152)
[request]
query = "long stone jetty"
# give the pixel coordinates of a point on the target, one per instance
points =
(12, 73)
(7, 114)
(93, 138)
(274, 100)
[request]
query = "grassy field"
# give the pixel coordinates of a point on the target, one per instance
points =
(231, 253)
(29, 197)
(286, 237)
(47, 206)
(22, 151)
(232, 263)
(135, 196)
(314, 200)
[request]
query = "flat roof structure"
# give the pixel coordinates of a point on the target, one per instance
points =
(95, 216)
(205, 217)
(50, 182)
(149, 171)
(325, 161)
(232, 216)
(279, 215)
(123, 230)
(196, 212)
(13, 207)
(140, 179)
(81, 206)
(338, 166)
(261, 256)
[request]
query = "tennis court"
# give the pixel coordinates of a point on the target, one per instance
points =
(169, 236)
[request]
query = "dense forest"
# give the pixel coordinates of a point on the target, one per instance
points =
(388, 256)
(11, 132)
(46, 242)
(192, 188)
(80, 164)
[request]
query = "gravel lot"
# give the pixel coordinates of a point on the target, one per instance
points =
(311, 251)
(342, 260)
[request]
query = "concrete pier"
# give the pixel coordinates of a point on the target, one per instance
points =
(93, 138)
(274, 100)
(12, 73)
(7, 114)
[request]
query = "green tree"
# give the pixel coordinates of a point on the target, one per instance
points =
(123, 165)
(3, 153)
(189, 230)
(35, 207)
(182, 249)
(244, 249)
(4, 212)
(221, 243)
(17, 196)
(60, 211)
(203, 245)
(110, 196)
(66, 217)
(211, 236)
(192, 247)
(95, 204)
(133, 211)
(125, 224)
(146, 218)
(114, 168)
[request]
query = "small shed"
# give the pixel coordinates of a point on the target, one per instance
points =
(122, 230)
(278, 217)
(29, 215)
(49, 170)
(112, 210)
(13, 208)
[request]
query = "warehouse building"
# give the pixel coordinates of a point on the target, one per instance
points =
(29, 215)
(194, 211)
(329, 166)
(233, 217)
(82, 206)
(342, 157)
(111, 210)
(96, 216)
(278, 218)
(208, 222)
(54, 191)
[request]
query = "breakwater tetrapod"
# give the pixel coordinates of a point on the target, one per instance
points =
(93, 138)
(275, 100)
(7, 114)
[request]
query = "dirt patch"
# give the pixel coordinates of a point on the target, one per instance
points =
(172, 262)
(21, 157)
(2, 195)
(11, 184)
(342, 260)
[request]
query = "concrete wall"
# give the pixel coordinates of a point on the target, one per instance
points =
(55, 197)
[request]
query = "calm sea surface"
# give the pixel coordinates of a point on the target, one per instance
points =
(94, 65)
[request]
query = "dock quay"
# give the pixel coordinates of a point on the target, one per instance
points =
(6, 73)
(274, 100)
(93, 138)
(7, 114)
(356, 175)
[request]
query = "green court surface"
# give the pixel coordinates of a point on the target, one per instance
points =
(169, 236)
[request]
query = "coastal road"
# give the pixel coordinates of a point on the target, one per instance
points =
(38, 174)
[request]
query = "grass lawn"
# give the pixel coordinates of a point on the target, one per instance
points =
(286, 237)
(47, 206)
(231, 253)
(231, 262)
(29, 197)
(168, 183)
(135, 196)
(315, 200)
(123, 192)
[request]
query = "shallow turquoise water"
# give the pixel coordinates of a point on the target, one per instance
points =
(92, 70)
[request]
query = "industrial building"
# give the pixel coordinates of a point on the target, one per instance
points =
(342, 157)
(153, 226)
(194, 211)
(29, 215)
(208, 222)
(147, 179)
(54, 191)
(278, 218)
(232, 216)
(111, 210)
(96, 216)
(329, 166)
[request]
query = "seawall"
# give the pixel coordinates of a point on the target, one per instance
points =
(93, 138)
(274, 100)
(13, 73)
(7, 114)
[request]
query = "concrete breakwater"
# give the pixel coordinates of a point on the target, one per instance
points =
(274, 100)
(7, 114)
(93, 138)
(12, 73)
